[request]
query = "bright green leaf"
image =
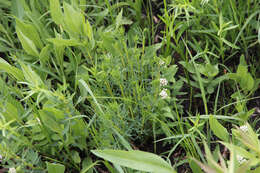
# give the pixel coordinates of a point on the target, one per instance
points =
(44, 54)
(56, 12)
(55, 168)
(15, 72)
(218, 130)
(64, 42)
(75, 156)
(135, 159)
(74, 20)
(30, 32)
(17, 8)
(27, 44)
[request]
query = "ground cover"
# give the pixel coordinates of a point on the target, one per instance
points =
(129, 86)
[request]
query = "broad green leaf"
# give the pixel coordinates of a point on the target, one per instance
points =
(247, 82)
(75, 156)
(27, 44)
(55, 137)
(242, 60)
(56, 13)
(31, 76)
(242, 76)
(64, 42)
(88, 30)
(218, 130)
(120, 20)
(188, 66)
(241, 70)
(50, 122)
(30, 32)
(150, 51)
(170, 72)
(233, 76)
(17, 8)
(208, 69)
(38, 137)
(15, 72)
(135, 159)
(11, 112)
(2, 29)
(74, 20)
(55, 168)
(57, 113)
(44, 54)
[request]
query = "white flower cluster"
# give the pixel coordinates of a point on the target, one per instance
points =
(163, 82)
(164, 94)
(12, 170)
(244, 128)
(240, 159)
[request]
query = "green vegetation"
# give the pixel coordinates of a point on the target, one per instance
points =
(129, 86)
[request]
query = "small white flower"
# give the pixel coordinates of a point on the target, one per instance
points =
(12, 170)
(161, 62)
(164, 94)
(163, 82)
(240, 159)
(244, 128)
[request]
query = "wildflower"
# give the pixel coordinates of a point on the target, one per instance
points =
(240, 159)
(12, 170)
(163, 82)
(164, 94)
(244, 128)
(161, 62)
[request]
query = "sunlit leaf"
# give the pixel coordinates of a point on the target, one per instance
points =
(135, 159)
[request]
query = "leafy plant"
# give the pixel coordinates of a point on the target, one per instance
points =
(243, 153)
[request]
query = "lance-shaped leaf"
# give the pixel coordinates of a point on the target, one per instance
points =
(135, 159)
